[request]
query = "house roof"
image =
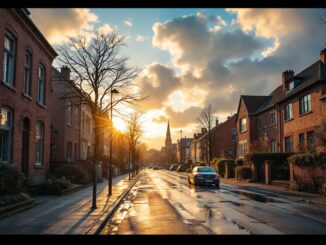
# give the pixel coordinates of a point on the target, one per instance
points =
(311, 75)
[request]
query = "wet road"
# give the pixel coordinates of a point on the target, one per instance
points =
(163, 202)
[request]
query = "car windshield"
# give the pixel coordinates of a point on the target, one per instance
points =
(208, 169)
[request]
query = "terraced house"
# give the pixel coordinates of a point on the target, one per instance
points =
(25, 99)
(285, 120)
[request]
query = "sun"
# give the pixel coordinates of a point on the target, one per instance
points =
(119, 124)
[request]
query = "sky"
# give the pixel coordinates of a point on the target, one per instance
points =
(190, 58)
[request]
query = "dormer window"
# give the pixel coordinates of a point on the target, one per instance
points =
(290, 86)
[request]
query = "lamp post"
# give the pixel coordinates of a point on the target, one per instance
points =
(113, 91)
(180, 146)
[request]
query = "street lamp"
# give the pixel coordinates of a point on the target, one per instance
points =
(180, 146)
(113, 91)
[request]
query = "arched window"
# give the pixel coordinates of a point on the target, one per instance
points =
(5, 134)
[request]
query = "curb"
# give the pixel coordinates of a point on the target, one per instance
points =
(112, 209)
(16, 208)
(70, 191)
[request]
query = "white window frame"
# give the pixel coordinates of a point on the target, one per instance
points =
(305, 104)
(39, 135)
(41, 85)
(28, 73)
(243, 126)
(288, 112)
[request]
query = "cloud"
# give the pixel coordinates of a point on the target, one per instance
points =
(128, 23)
(141, 39)
(58, 24)
(191, 33)
(106, 29)
(246, 58)
(157, 81)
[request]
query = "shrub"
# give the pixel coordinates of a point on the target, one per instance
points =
(73, 172)
(6, 200)
(243, 172)
(260, 157)
(309, 159)
(54, 186)
(11, 180)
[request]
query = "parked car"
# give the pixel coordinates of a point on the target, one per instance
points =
(173, 167)
(204, 175)
(181, 168)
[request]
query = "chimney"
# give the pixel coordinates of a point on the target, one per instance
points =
(216, 122)
(322, 56)
(286, 75)
(229, 117)
(65, 72)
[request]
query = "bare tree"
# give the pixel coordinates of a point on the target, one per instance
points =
(206, 120)
(97, 68)
(134, 133)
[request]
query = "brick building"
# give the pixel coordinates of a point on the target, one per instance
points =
(224, 139)
(72, 136)
(284, 121)
(25, 94)
(183, 149)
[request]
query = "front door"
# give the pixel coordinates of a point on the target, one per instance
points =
(25, 146)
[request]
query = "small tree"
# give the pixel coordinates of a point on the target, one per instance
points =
(206, 120)
(134, 133)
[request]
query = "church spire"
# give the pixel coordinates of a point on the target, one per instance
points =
(168, 141)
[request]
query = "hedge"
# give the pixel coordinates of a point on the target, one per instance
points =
(277, 157)
(12, 181)
(243, 172)
(54, 186)
(309, 159)
(73, 172)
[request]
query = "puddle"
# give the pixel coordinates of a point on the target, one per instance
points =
(256, 197)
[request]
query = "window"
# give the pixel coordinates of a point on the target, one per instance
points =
(274, 145)
(9, 59)
(41, 85)
(301, 142)
(5, 134)
(243, 148)
(273, 119)
(39, 143)
(290, 86)
(288, 114)
(233, 134)
(311, 140)
(305, 104)
(77, 117)
(289, 144)
(243, 124)
(69, 113)
(27, 78)
(69, 151)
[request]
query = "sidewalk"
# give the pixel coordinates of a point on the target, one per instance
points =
(305, 197)
(69, 214)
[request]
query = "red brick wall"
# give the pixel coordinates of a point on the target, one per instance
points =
(22, 106)
(270, 130)
(221, 138)
(65, 133)
(303, 123)
(245, 135)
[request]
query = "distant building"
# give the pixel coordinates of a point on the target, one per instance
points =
(183, 149)
(25, 94)
(72, 136)
(169, 151)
